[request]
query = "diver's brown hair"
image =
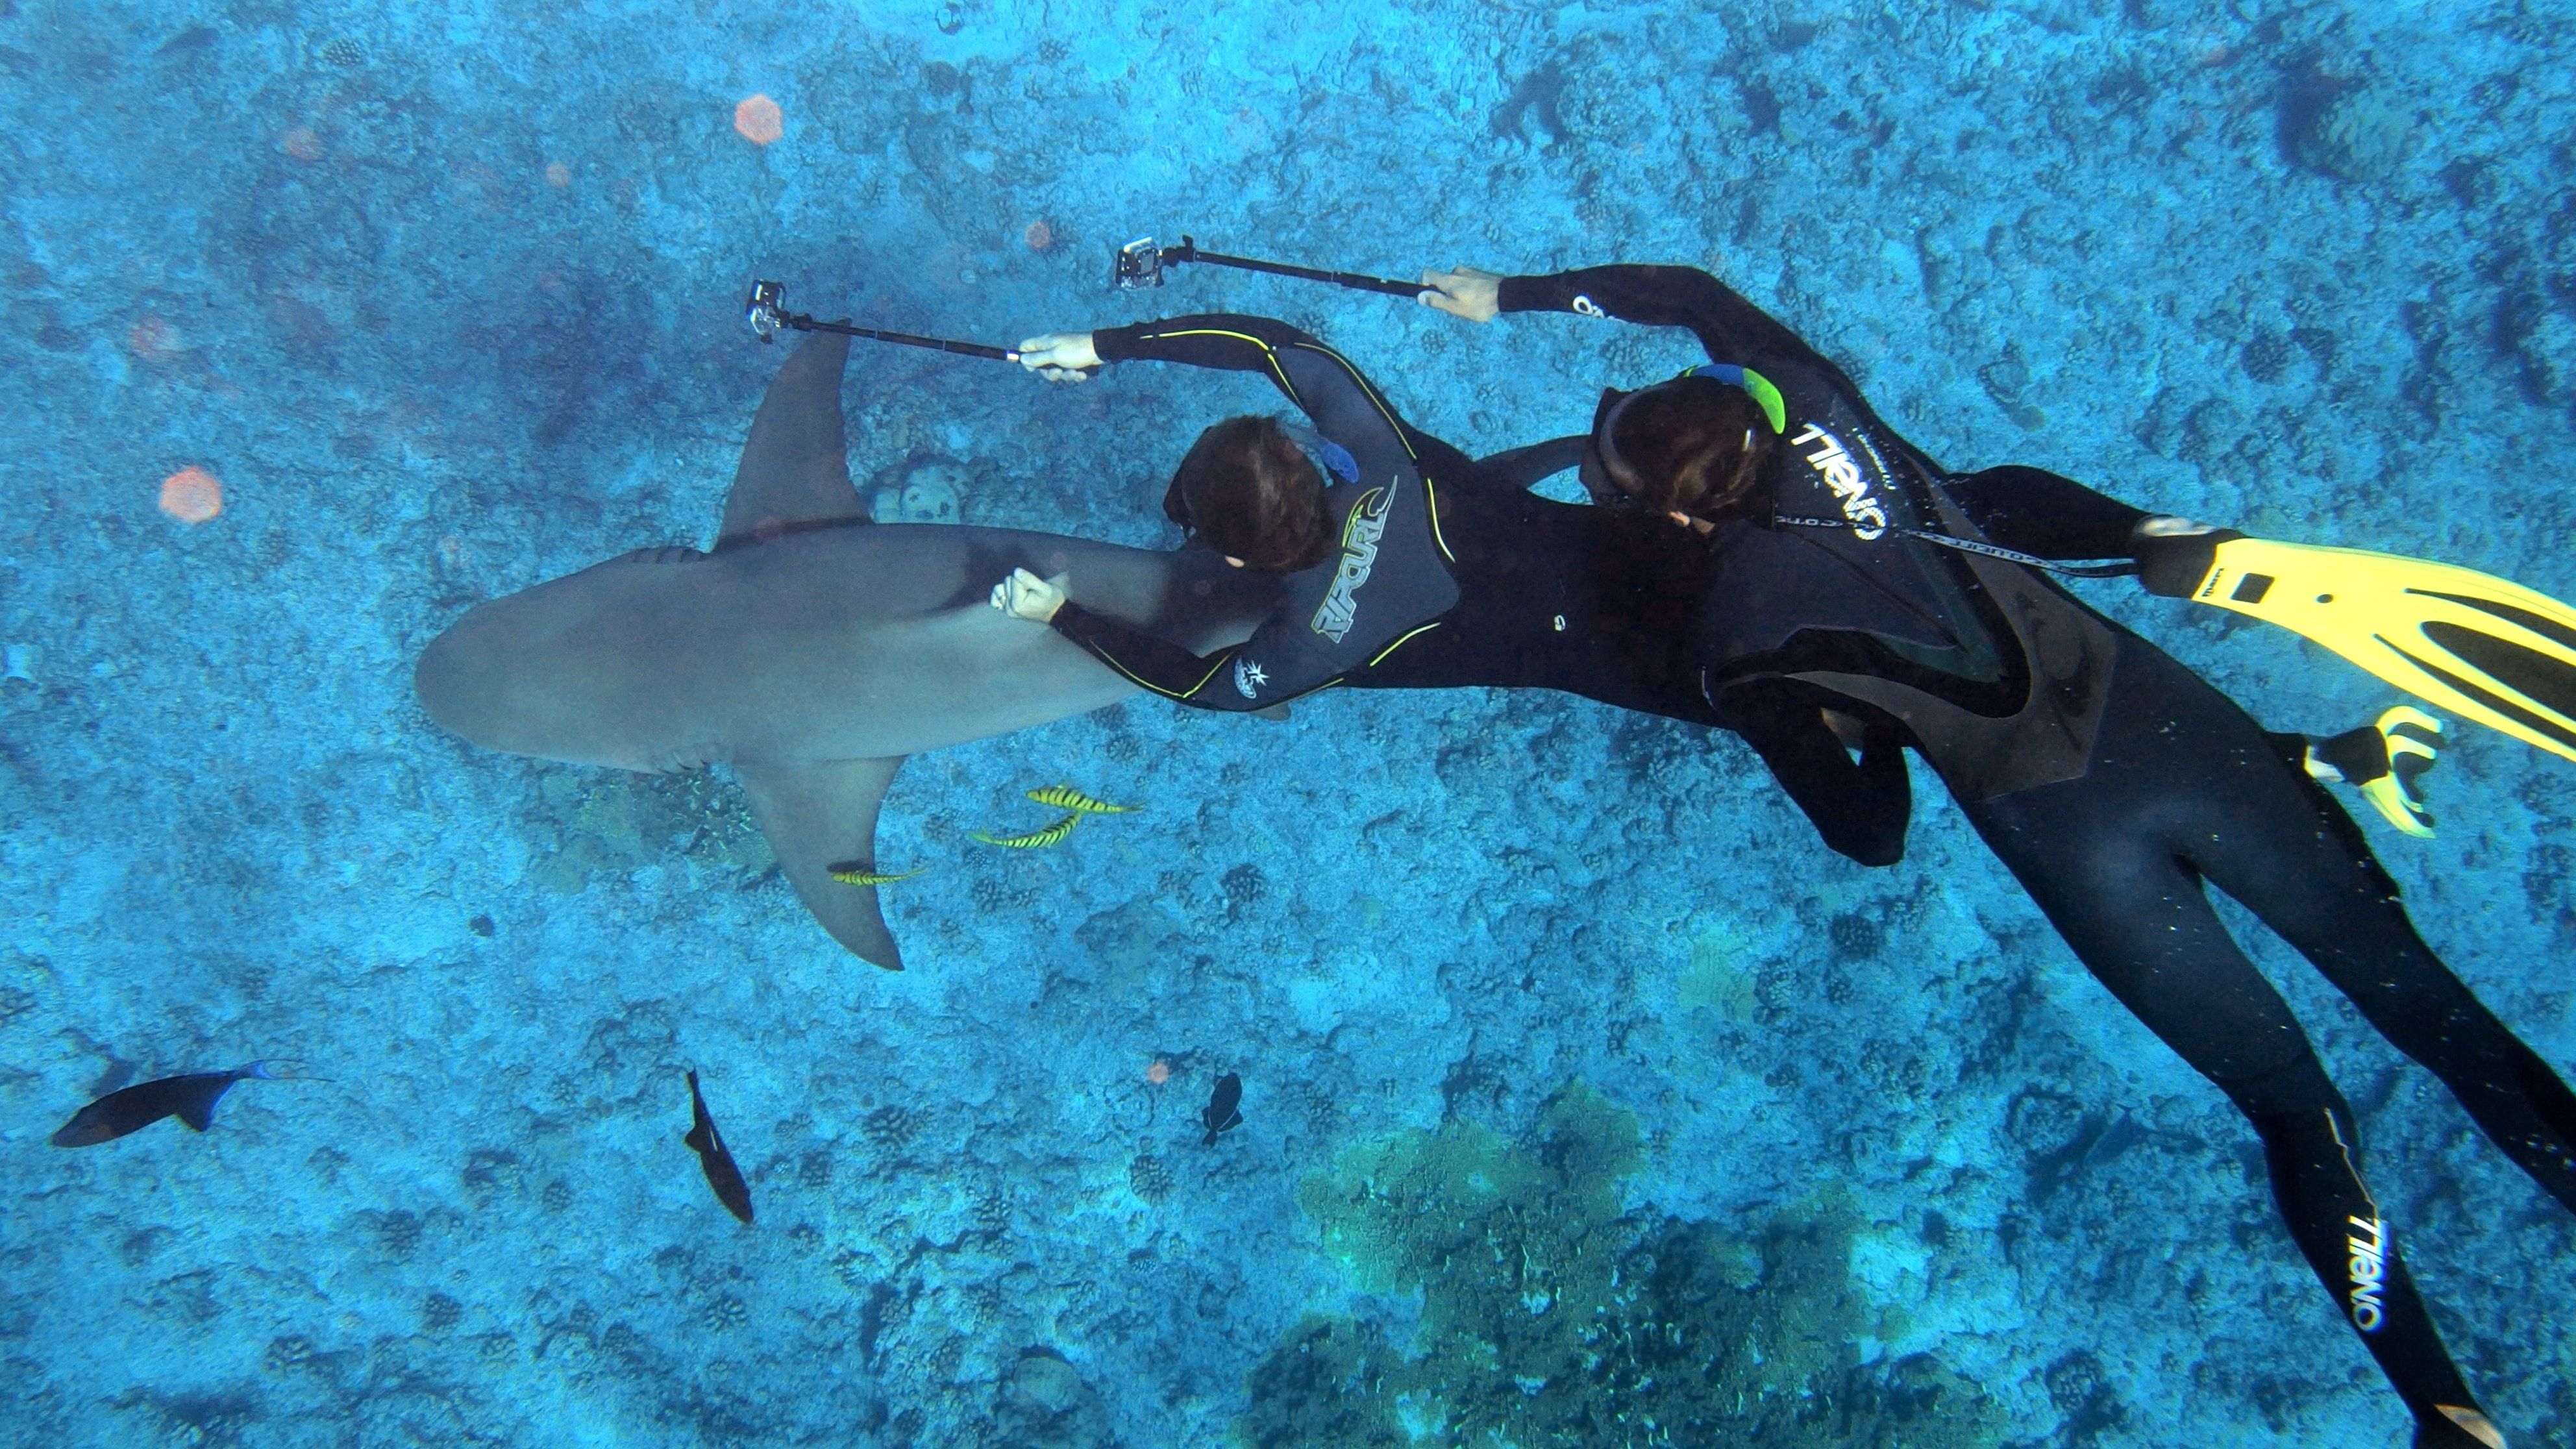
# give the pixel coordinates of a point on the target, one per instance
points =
(1694, 445)
(1250, 492)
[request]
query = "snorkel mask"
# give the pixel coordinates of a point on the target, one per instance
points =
(1608, 475)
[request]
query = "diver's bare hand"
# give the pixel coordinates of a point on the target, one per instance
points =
(1026, 596)
(1060, 356)
(1468, 292)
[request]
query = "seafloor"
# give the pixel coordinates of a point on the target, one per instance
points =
(1581, 1082)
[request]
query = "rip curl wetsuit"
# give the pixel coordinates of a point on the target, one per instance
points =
(2113, 782)
(1475, 581)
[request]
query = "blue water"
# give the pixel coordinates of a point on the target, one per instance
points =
(1562, 1037)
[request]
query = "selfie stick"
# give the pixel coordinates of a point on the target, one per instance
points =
(766, 317)
(1140, 263)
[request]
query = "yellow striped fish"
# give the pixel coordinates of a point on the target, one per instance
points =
(1035, 839)
(1065, 797)
(857, 873)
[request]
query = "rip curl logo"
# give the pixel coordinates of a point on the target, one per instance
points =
(1248, 678)
(1841, 474)
(1360, 533)
(1587, 306)
(2369, 1273)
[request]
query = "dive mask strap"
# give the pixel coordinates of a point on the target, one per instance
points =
(1775, 408)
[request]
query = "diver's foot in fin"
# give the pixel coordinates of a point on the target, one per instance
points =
(2464, 1429)
(2384, 760)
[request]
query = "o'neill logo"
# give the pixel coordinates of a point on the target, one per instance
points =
(1842, 475)
(2369, 1272)
(1360, 534)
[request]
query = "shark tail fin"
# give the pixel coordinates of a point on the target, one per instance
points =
(815, 815)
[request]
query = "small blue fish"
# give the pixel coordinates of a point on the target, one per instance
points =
(1224, 1111)
(190, 1098)
(703, 1139)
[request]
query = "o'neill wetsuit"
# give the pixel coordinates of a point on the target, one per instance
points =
(2109, 779)
(1469, 579)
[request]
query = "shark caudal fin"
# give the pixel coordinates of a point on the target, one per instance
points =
(818, 816)
(795, 470)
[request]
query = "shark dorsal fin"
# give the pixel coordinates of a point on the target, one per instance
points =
(795, 470)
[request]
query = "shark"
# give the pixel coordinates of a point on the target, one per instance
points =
(811, 650)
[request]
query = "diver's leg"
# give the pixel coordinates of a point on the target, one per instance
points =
(2272, 838)
(2138, 919)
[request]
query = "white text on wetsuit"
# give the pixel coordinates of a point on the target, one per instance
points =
(2369, 1272)
(1360, 534)
(1842, 475)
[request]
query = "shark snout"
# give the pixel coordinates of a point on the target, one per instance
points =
(472, 681)
(545, 673)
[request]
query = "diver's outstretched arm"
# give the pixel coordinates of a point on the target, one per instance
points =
(1199, 681)
(1731, 328)
(1208, 681)
(1341, 402)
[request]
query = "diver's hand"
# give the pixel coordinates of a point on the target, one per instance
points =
(1468, 292)
(1026, 596)
(2175, 554)
(1060, 356)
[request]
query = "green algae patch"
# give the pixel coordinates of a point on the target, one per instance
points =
(1550, 1318)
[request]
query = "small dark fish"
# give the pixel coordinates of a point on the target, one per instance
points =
(1224, 1109)
(201, 37)
(860, 873)
(708, 1143)
(190, 1098)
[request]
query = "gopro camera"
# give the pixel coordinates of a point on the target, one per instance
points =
(1140, 264)
(762, 310)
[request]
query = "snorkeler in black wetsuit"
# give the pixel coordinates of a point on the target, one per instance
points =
(2109, 779)
(1473, 580)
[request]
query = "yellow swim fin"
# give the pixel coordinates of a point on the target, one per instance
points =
(2385, 760)
(2473, 644)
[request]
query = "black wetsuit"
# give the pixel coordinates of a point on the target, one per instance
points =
(2113, 782)
(1540, 594)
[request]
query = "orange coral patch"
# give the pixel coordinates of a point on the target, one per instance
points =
(192, 496)
(759, 120)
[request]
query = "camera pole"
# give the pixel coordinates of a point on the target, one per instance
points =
(1140, 263)
(767, 316)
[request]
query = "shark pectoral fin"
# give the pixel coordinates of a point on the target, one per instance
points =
(817, 815)
(795, 470)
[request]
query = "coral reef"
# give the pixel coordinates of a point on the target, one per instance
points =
(929, 489)
(1550, 1317)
